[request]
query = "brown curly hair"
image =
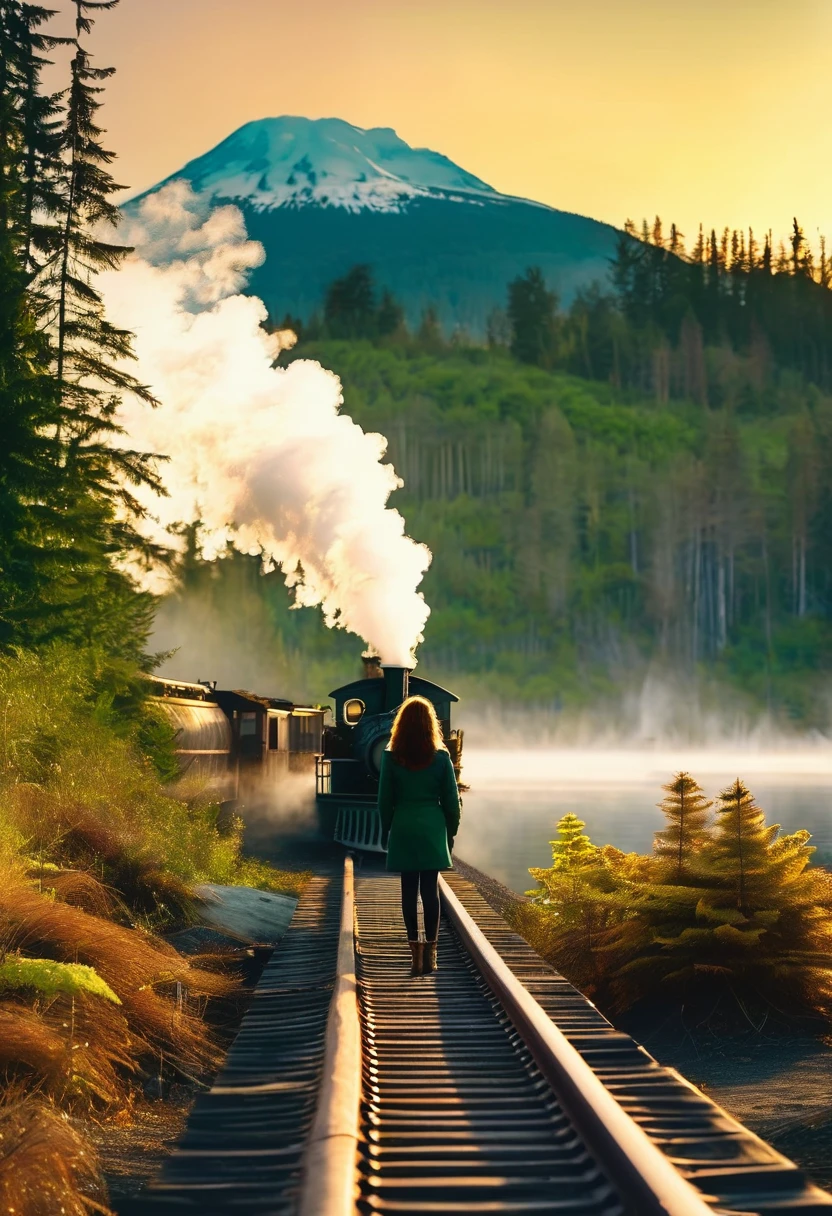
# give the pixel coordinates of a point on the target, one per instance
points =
(416, 736)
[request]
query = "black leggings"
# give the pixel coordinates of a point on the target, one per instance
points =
(426, 881)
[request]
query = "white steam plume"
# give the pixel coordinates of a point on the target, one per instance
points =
(260, 455)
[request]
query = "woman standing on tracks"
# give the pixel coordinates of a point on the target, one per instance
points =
(418, 802)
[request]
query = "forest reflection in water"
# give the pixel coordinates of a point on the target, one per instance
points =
(517, 797)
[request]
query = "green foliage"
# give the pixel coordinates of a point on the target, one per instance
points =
(156, 739)
(50, 979)
(686, 809)
(573, 850)
(773, 309)
(740, 856)
(351, 308)
(578, 893)
(67, 507)
(583, 535)
(531, 315)
(727, 915)
(251, 872)
(80, 789)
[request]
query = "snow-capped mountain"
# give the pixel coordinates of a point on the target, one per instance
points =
(323, 195)
(291, 162)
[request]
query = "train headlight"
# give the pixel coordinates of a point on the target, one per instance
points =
(353, 711)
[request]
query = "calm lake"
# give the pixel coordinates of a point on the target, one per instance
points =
(517, 797)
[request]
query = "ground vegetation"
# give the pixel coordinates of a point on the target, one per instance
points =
(99, 860)
(726, 918)
(100, 855)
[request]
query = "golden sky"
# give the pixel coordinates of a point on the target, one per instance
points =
(716, 110)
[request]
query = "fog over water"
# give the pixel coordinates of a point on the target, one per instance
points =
(517, 796)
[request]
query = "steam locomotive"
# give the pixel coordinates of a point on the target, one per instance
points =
(347, 769)
(240, 743)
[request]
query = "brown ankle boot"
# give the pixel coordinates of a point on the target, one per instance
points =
(429, 963)
(416, 954)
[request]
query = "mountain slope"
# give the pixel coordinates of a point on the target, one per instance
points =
(323, 195)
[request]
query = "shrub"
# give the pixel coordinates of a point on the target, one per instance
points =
(580, 896)
(726, 915)
(754, 925)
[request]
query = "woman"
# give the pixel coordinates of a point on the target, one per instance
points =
(419, 806)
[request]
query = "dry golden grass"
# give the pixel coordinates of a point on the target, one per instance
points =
(81, 889)
(46, 1167)
(78, 1051)
(150, 978)
(30, 1047)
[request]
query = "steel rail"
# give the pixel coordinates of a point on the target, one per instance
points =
(328, 1183)
(648, 1183)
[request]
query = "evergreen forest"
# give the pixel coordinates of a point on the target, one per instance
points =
(586, 532)
(634, 485)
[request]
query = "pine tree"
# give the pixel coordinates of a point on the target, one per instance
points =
(750, 927)
(429, 334)
(687, 810)
(90, 352)
(40, 111)
(33, 529)
(532, 309)
(767, 254)
(753, 251)
(824, 268)
(390, 316)
(740, 857)
(798, 243)
(65, 485)
(724, 246)
(579, 893)
(573, 849)
(350, 305)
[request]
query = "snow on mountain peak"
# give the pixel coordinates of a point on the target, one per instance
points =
(292, 162)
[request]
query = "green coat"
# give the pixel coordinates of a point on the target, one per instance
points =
(419, 809)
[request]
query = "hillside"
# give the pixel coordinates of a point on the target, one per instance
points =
(323, 196)
(582, 537)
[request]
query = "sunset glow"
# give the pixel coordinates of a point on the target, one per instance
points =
(700, 111)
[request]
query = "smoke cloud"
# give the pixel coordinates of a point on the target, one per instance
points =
(262, 456)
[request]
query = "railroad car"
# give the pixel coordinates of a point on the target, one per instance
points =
(236, 741)
(348, 767)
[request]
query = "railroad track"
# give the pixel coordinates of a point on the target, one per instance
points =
(242, 1149)
(491, 1086)
(482, 1093)
(456, 1116)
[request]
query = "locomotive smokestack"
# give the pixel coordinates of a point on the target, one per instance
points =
(396, 682)
(372, 667)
